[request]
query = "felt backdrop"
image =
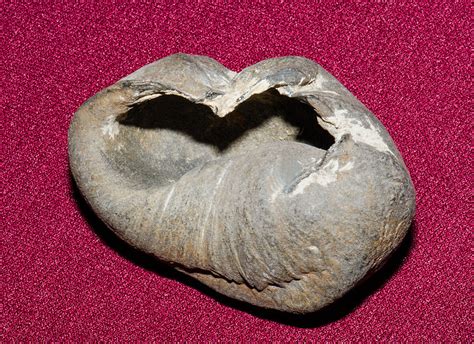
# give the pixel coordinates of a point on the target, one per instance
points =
(66, 277)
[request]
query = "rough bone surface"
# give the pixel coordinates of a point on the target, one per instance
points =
(274, 186)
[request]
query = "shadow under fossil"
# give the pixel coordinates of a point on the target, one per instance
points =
(335, 311)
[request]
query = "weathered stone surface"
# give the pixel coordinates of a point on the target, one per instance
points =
(274, 186)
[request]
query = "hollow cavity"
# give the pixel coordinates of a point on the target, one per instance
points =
(160, 140)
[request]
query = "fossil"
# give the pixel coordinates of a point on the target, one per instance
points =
(274, 186)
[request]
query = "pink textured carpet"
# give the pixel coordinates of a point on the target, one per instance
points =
(64, 277)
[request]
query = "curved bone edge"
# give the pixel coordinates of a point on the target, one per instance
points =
(347, 248)
(204, 80)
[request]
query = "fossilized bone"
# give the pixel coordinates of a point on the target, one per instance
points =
(198, 166)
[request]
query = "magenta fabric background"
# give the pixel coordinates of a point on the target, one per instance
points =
(64, 277)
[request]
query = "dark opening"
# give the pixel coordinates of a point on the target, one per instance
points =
(199, 122)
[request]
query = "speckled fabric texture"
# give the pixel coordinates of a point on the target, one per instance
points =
(65, 277)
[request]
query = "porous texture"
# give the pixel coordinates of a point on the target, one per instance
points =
(65, 278)
(227, 196)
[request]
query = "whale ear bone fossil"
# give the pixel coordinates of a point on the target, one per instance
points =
(274, 186)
